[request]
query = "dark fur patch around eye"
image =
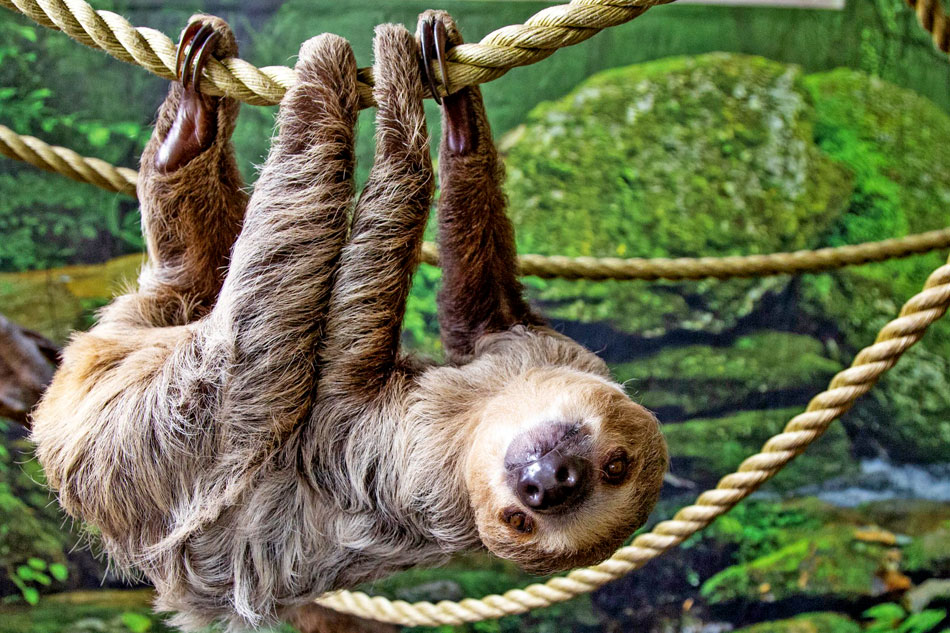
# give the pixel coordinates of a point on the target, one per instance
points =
(609, 464)
(518, 520)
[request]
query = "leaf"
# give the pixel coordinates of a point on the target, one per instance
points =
(136, 622)
(98, 136)
(59, 571)
(31, 595)
(36, 563)
(922, 622)
(886, 611)
(27, 33)
(26, 573)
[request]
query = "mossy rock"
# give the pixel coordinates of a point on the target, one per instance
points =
(711, 155)
(703, 450)
(823, 622)
(758, 370)
(829, 562)
(895, 143)
(907, 415)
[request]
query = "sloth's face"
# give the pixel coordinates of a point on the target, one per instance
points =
(563, 467)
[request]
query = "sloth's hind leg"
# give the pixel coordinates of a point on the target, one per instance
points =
(190, 191)
(273, 305)
(480, 289)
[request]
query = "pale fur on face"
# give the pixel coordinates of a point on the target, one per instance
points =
(550, 395)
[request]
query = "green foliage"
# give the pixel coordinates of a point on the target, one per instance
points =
(893, 141)
(754, 369)
(757, 527)
(32, 546)
(45, 219)
(827, 562)
(892, 618)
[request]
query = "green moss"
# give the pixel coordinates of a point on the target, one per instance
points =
(807, 623)
(735, 437)
(929, 552)
(755, 369)
(710, 155)
(824, 563)
(894, 142)
(908, 414)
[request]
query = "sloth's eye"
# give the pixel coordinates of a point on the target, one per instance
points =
(518, 520)
(615, 469)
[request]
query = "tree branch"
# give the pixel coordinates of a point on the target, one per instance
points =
(27, 363)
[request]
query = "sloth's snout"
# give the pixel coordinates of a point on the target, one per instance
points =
(549, 469)
(555, 483)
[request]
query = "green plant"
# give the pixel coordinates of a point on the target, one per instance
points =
(889, 617)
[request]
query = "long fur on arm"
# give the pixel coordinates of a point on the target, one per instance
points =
(480, 290)
(369, 296)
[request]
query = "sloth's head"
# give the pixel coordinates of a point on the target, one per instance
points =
(563, 467)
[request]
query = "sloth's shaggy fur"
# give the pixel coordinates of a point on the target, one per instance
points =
(243, 429)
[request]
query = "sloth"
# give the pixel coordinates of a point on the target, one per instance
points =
(243, 428)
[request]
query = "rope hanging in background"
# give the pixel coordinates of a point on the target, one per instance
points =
(122, 180)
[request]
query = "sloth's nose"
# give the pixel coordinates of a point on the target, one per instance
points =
(555, 483)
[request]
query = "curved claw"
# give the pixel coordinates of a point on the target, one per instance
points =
(195, 124)
(459, 117)
(201, 58)
(194, 47)
(184, 44)
(433, 37)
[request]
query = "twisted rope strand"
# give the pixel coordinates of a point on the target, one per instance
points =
(868, 366)
(67, 162)
(121, 179)
(469, 64)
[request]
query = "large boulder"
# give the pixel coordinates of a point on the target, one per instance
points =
(711, 155)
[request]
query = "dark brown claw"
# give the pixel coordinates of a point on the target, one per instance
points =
(195, 122)
(184, 46)
(433, 36)
(459, 126)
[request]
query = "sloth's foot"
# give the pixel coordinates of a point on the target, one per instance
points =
(437, 34)
(196, 120)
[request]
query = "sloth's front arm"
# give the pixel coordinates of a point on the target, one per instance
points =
(161, 414)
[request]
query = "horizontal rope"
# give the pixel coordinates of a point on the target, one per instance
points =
(468, 64)
(870, 363)
(121, 179)
(62, 160)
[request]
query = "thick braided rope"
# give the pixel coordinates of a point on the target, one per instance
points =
(121, 179)
(67, 162)
(469, 64)
(870, 363)
(933, 18)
